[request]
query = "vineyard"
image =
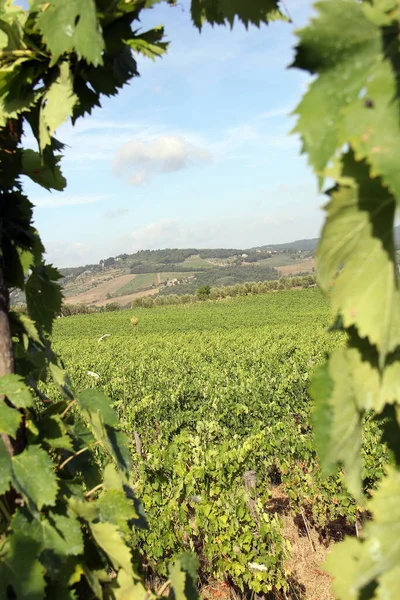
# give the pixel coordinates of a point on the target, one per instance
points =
(215, 400)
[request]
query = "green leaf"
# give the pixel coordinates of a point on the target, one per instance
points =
(10, 419)
(5, 469)
(58, 532)
(178, 579)
(149, 43)
(129, 587)
(17, 392)
(110, 541)
(21, 573)
(28, 326)
(77, 28)
(41, 173)
(356, 255)
(220, 12)
(43, 295)
(54, 432)
(342, 46)
(57, 104)
(114, 507)
(369, 123)
(94, 401)
(356, 564)
(337, 418)
(34, 477)
(189, 563)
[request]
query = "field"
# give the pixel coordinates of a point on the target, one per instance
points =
(144, 281)
(215, 399)
(101, 291)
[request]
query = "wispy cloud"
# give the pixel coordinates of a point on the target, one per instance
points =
(140, 160)
(114, 214)
(57, 200)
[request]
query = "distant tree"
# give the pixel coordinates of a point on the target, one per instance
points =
(203, 293)
(112, 307)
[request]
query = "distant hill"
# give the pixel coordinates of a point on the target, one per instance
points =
(303, 245)
(179, 271)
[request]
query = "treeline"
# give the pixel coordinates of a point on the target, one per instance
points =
(139, 267)
(225, 276)
(218, 293)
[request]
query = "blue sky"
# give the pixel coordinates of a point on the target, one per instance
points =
(195, 152)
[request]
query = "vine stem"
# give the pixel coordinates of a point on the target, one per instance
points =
(81, 451)
(67, 409)
(164, 587)
(19, 53)
(93, 490)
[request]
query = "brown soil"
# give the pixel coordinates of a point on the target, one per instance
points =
(99, 293)
(303, 266)
(308, 553)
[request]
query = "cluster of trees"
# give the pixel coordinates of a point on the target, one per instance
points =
(216, 293)
(226, 276)
(68, 310)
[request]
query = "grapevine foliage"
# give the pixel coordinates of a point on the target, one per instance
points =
(349, 124)
(67, 498)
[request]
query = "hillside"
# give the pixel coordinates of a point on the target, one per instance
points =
(179, 271)
(148, 272)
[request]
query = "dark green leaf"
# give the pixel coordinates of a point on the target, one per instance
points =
(220, 12)
(17, 392)
(34, 477)
(10, 419)
(58, 532)
(77, 28)
(43, 295)
(21, 573)
(149, 43)
(94, 401)
(5, 469)
(48, 177)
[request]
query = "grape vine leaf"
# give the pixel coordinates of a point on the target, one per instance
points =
(356, 255)
(149, 43)
(58, 532)
(34, 477)
(220, 12)
(5, 469)
(94, 401)
(40, 172)
(10, 419)
(369, 122)
(13, 386)
(337, 418)
(342, 46)
(77, 28)
(43, 295)
(356, 564)
(178, 579)
(129, 587)
(57, 105)
(111, 542)
(21, 574)
(116, 508)
(54, 433)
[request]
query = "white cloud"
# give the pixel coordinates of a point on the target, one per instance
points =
(64, 253)
(140, 160)
(118, 212)
(56, 200)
